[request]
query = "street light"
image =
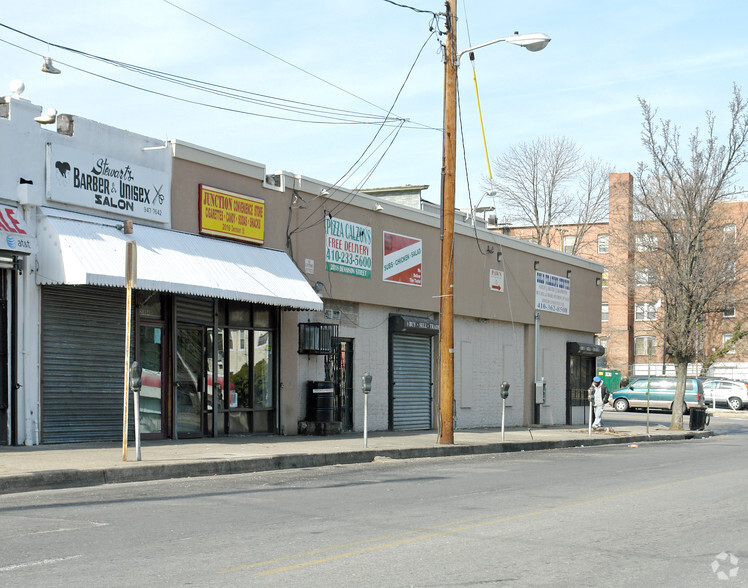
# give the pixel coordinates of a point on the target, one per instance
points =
(532, 42)
(480, 209)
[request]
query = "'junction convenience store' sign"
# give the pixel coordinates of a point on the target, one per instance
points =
(226, 214)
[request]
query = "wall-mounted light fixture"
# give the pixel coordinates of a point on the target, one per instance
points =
(568, 274)
(598, 281)
(318, 286)
(378, 207)
(499, 255)
(536, 265)
(324, 193)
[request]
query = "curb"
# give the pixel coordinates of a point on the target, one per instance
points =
(74, 478)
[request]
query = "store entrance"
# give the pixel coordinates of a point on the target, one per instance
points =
(342, 378)
(189, 383)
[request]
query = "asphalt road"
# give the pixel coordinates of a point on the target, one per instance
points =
(667, 513)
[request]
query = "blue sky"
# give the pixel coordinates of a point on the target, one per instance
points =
(681, 56)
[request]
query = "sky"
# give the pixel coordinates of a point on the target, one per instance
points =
(372, 56)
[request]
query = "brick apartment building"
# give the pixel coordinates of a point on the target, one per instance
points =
(630, 310)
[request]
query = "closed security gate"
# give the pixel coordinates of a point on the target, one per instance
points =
(410, 382)
(83, 337)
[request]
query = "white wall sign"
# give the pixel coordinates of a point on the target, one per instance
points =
(496, 280)
(107, 185)
(552, 293)
(347, 248)
(403, 259)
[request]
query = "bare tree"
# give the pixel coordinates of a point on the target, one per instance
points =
(693, 264)
(590, 201)
(546, 183)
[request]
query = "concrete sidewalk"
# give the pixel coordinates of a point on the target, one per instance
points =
(25, 469)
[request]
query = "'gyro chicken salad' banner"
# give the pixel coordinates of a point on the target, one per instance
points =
(403, 259)
(347, 247)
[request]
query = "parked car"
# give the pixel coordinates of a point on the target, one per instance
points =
(661, 394)
(731, 392)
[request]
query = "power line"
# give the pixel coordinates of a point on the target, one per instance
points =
(241, 39)
(336, 115)
(343, 203)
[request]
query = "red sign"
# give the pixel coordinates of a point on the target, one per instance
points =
(403, 259)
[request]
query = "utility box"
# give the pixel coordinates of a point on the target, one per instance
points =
(611, 378)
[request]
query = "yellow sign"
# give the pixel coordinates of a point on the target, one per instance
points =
(226, 214)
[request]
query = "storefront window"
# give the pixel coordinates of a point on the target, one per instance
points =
(150, 393)
(240, 388)
(262, 318)
(262, 373)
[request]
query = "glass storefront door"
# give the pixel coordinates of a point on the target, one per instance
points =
(151, 346)
(189, 382)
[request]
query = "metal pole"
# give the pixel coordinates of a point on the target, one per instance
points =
(366, 413)
(446, 297)
(136, 411)
(503, 410)
(128, 304)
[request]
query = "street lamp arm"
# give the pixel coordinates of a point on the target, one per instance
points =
(530, 41)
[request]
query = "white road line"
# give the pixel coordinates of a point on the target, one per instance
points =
(42, 562)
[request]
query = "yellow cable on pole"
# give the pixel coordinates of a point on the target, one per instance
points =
(480, 116)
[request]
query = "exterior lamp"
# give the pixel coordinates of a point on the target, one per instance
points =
(532, 42)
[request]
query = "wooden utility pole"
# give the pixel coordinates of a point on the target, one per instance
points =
(446, 298)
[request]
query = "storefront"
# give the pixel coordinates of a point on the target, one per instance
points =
(16, 243)
(205, 317)
(411, 368)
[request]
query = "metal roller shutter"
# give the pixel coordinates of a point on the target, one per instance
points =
(83, 335)
(411, 377)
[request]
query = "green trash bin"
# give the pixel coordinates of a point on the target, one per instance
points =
(611, 378)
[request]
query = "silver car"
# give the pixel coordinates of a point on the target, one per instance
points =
(731, 392)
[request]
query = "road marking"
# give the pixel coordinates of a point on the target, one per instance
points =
(431, 532)
(42, 562)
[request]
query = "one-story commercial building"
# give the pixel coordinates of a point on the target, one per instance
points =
(258, 298)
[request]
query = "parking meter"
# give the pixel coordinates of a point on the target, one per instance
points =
(366, 388)
(136, 383)
(366, 382)
(136, 374)
(504, 391)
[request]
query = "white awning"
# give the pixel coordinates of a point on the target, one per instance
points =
(89, 250)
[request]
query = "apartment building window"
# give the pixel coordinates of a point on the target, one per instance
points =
(731, 269)
(646, 242)
(602, 341)
(569, 243)
(728, 312)
(605, 311)
(645, 311)
(729, 233)
(603, 243)
(645, 345)
(642, 277)
(725, 338)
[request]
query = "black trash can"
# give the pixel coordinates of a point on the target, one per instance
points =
(697, 418)
(321, 402)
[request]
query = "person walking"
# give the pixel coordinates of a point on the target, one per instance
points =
(601, 396)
